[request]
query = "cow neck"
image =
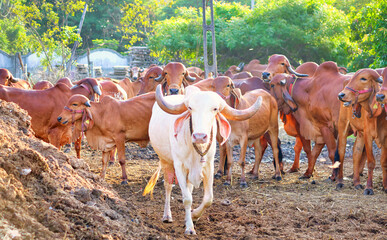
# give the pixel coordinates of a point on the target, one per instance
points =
(85, 118)
(356, 106)
(202, 154)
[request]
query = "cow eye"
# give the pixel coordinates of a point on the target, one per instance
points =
(228, 85)
(151, 77)
(189, 108)
(282, 64)
(272, 85)
(363, 79)
(74, 104)
(182, 74)
(215, 109)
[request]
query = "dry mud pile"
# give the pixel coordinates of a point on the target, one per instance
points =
(46, 194)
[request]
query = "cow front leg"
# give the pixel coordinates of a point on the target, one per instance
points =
(297, 152)
(208, 191)
(222, 160)
(357, 154)
(230, 161)
(383, 163)
(77, 146)
(187, 197)
(343, 131)
(242, 160)
(105, 157)
(311, 162)
(120, 144)
(370, 163)
(258, 158)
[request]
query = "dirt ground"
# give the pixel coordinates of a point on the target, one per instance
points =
(61, 198)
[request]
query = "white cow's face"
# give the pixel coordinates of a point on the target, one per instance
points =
(203, 106)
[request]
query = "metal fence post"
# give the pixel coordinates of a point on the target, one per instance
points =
(209, 28)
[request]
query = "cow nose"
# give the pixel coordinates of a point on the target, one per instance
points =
(341, 96)
(265, 75)
(380, 97)
(134, 78)
(174, 91)
(199, 137)
(59, 119)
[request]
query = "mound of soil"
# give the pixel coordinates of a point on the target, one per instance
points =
(46, 194)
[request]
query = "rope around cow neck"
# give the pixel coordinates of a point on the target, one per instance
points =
(196, 147)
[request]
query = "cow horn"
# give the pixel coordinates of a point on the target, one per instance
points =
(13, 80)
(240, 66)
(188, 77)
(87, 104)
(167, 107)
(240, 115)
(141, 70)
(379, 80)
(291, 70)
(159, 78)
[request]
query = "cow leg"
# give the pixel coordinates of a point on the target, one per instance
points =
(274, 144)
(263, 141)
(357, 154)
(383, 163)
(187, 197)
(222, 158)
(297, 152)
(258, 158)
(169, 174)
(77, 146)
(230, 160)
(105, 157)
(330, 141)
(242, 160)
(120, 145)
(370, 163)
(343, 127)
(312, 161)
(208, 191)
(112, 156)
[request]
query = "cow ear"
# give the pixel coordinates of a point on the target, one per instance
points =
(224, 127)
(180, 121)
(89, 122)
(376, 108)
(236, 94)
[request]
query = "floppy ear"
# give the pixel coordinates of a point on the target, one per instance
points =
(180, 121)
(224, 127)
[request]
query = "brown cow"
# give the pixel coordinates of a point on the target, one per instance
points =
(148, 82)
(110, 123)
(7, 79)
(43, 84)
(362, 119)
(315, 107)
(196, 70)
(174, 78)
(241, 75)
(44, 106)
(135, 73)
(225, 88)
(279, 64)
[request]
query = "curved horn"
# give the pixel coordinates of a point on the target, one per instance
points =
(167, 107)
(159, 78)
(240, 115)
(14, 80)
(240, 66)
(87, 104)
(188, 77)
(291, 70)
(96, 87)
(379, 80)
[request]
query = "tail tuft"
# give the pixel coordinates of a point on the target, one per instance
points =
(152, 182)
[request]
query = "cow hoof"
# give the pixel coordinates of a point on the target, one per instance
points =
(385, 190)
(283, 172)
(293, 170)
(190, 232)
(278, 178)
(218, 176)
(328, 180)
(243, 184)
(227, 183)
(111, 164)
(339, 186)
(358, 187)
(254, 177)
(304, 177)
(368, 191)
(125, 182)
(167, 219)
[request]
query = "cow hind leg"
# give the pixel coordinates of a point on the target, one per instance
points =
(242, 161)
(312, 161)
(105, 157)
(121, 158)
(383, 163)
(370, 164)
(168, 183)
(263, 143)
(222, 160)
(112, 158)
(258, 158)
(228, 166)
(274, 140)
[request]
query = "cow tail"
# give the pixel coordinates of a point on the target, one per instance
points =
(152, 182)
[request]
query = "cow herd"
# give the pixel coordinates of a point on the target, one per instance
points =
(184, 116)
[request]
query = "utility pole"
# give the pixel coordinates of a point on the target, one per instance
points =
(252, 4)
(209, 28)
(68, 65)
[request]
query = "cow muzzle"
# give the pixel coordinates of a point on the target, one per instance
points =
(266, 76)
(199, 138)
(380, 97)
(60, 120)
(341, 97)
(174, 91)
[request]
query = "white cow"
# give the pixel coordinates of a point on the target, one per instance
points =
(182, 131)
